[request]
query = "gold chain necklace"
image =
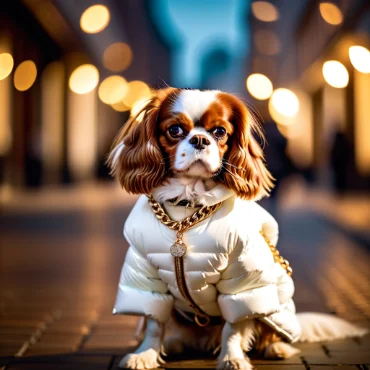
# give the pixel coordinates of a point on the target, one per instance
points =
(277, 257)
(178, 249)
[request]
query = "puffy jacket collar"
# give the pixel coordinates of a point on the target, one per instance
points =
(198, 191)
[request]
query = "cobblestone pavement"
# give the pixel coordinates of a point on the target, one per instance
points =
(59, 271)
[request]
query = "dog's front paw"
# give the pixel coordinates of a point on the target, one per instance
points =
(279, 350)
(149, 359)
(234, 364)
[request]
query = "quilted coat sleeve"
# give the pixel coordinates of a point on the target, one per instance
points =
(269, 225)
(140, 291)
(248, 286)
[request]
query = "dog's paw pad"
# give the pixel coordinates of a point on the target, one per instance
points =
(149, 359)
(235, 364)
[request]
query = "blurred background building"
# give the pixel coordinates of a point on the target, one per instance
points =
(71, 71)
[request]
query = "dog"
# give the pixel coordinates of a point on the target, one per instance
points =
(218, 283)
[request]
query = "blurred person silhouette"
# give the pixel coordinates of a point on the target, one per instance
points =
(341, 157)
(278, 162)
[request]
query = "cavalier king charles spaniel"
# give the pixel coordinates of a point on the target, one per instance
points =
(187, 148)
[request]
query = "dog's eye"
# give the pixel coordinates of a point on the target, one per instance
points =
(175, 131)
(219, 132)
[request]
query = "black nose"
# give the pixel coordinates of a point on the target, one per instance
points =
(199, 142)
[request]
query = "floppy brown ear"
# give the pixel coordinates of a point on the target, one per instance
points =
(136, 158)
(246, 173)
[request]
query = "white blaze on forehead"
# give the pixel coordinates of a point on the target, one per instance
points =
(194, 103)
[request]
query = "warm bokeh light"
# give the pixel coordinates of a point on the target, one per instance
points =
(95, 18)
(113, 89)
(360, 58)
(265, 11)
(84, 79)
(137, 95)
(299, 131)
(6, 65)
(137, 90)
(6, 116)
(283, 106)
(335, 74)
(120, 107)
(25, 75)
(285, 130)
(267, 42)
(259, 86)
(82, 135)
(117, 57)
(137, 108)
(331, 13)
(361, 82)
(52, 120)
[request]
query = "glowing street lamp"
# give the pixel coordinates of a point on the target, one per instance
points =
(117, 57)
(265, 11)
(113, 89)
(95, 18)
(259, 86)
(331, 13)
(84, 79)
(6, 65)
(360, 58)
(335, 74)
(137, 90)
(25, 75)
(283, 106)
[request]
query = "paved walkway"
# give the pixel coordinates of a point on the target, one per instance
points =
(60, 259)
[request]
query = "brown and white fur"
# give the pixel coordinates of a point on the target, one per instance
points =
(181, 137)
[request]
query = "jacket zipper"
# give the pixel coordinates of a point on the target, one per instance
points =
(181, 283)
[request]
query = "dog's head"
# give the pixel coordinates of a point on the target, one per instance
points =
(191, 133)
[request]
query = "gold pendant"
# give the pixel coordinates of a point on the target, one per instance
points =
(178, 249)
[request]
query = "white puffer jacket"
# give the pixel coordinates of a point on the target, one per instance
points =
(229, 268)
